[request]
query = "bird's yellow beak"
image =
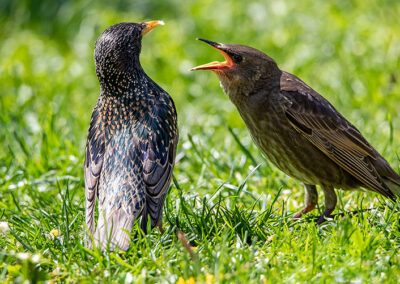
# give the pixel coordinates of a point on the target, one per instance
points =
(150, 25)
(215, 65)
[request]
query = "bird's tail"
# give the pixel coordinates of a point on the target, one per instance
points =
(113, 231)
(389, 176)
(394, 186)
(392, 181)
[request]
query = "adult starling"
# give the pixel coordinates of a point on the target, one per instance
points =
(131, 145)
(298, 130)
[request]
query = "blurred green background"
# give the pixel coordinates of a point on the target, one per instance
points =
(348, 51)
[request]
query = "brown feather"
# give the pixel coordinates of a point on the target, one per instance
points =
(310, 113)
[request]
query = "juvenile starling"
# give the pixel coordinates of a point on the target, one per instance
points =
(298, 130)
(131, 145)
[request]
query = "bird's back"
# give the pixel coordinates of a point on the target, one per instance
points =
(316, 119)
(140, 137)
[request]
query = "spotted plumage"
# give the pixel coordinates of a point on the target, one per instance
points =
(298, 130)
(132, 140)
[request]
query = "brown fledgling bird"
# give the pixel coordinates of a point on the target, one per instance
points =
(131, 145)
(298, 130)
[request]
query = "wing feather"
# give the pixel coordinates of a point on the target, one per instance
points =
(158, 161)
(329, 131)
(95, 149)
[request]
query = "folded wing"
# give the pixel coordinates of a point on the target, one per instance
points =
(315, 118)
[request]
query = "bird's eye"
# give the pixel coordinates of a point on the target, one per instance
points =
(237, 58)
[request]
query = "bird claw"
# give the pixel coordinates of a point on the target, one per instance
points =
(324, 216)
(306, 209)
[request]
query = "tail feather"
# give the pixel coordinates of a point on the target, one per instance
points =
(394, 186)
(392, 180)
(388, 175)
(113, 231)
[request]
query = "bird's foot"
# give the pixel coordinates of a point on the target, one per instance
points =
(324, 216)
(307, 209)
(160, 228)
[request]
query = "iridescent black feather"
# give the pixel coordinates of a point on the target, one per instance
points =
(132, 140)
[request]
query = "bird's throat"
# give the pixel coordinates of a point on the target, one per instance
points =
(234, 87)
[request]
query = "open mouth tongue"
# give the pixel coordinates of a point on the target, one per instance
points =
(215, 65)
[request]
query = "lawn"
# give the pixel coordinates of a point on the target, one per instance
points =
(233, 206)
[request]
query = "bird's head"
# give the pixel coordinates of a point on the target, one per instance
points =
(243, 65)
(118, 47)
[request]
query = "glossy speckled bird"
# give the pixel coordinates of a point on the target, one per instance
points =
(131, 145)
(298, 130)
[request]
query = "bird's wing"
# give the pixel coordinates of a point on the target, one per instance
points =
(158, 159)
(95, 149)
(315, 118)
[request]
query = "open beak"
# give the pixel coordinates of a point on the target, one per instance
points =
(148, 26)
(215, 66)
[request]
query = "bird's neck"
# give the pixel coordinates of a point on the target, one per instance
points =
(236, 92)
(124, 83)
(240, 90)
(121, 108)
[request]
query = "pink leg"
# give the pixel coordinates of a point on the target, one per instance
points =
(305, 210)
(310, 202)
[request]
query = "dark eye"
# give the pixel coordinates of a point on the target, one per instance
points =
(237, 58)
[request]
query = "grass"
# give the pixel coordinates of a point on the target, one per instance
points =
(234, 207)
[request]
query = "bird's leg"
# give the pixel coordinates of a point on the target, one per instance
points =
(330, 203)
(159, 225)
(310, 202)
(160, 228)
